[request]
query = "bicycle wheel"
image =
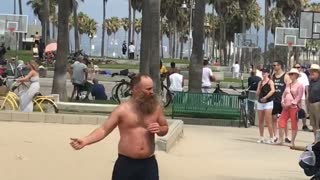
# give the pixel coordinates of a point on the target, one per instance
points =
(166, 96)
(6, 105)
(113, 92)
(244, 117)
(123, 92)
(46, 105)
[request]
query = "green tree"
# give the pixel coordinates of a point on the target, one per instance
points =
(136, 6)
(125, 26)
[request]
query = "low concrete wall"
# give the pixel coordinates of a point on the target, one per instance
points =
(163, 143)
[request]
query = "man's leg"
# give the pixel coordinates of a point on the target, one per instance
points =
(150, 170)
(73, 91)
(124, 169)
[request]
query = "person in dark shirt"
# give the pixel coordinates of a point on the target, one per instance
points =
(98, 91)
(314, 97)
(253, 81)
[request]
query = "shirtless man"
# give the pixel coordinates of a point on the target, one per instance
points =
(138, 121)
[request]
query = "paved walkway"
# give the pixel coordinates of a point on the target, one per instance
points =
(35, 151)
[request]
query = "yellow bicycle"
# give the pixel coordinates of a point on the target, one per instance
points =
(45, 104)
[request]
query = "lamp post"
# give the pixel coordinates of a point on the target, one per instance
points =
(190, 5)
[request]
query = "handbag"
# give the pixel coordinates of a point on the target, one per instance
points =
(300, 113)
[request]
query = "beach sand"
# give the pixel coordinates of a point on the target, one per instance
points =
(37, 151)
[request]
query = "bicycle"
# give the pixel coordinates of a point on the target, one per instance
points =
(247, 122)
(44, 104)
(123, 91)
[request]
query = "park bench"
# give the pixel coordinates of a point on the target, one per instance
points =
(222, 107)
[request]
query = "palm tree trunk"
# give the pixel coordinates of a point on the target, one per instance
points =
(161, 48)
(213, 36)
(170, 45)
(195, 72)
(174, 40)
(266, 29)
(20, 35)
(134, 26)
(177, 44)
(150, 36)
(76, 25)
(130, 24)
(59, 85)
(181, 49)
(47, 22)
(14, 6)
(229, 52)
(103, 27)
(53, 31)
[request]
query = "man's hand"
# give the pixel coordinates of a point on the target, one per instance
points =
(154, 128)
(77, 144)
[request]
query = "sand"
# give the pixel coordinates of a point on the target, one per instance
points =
(36, 151)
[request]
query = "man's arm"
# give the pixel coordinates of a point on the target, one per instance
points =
(162, 123)
(105, 129)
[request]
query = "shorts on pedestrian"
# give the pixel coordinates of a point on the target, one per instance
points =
(314, 112)
(286, 114)
(277, 108)
(205, 89)
(264, 106)
(127, 168)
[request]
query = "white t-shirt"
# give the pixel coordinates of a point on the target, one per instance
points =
(259, 73)
(206, 74)
(132, 48)
(236, 68)
(176, 82)
(303, 79)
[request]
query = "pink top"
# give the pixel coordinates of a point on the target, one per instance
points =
(292, 95)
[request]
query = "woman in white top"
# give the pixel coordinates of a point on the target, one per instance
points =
(26, 104)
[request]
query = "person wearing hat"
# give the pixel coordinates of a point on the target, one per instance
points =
(303, 79)
(79, 76)
(265, 92)
(291, 102)
(314, 97)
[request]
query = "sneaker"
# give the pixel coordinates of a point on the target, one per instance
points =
(275, 139)
(305, 128)
(287, 140)
(261, 140)
(270, 141)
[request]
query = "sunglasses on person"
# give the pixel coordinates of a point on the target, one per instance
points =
(297, 67)
(275, 65)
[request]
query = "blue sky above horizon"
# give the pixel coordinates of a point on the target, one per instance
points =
(93, 8)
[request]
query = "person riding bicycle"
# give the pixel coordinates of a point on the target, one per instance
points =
(163, 72)
(26, 104)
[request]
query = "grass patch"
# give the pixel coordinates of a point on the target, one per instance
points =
(233, 80)
(25, 55)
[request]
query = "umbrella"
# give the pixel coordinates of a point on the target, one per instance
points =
(51, 47)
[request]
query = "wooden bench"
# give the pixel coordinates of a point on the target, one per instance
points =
(201, 105)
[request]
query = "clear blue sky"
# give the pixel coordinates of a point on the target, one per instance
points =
(91, 7)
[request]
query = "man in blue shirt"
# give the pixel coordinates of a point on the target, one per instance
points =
(98, 91)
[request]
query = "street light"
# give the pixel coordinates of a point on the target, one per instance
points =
(190, 6)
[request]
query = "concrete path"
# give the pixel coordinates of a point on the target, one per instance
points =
(36, 151)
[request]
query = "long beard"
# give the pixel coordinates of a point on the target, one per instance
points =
(146, 104)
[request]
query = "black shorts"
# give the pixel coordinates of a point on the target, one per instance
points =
(127, 168)
(277, 108)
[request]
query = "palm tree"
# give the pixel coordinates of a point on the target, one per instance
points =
(60, 70)
(83, 20)
(114, 28)
(91, 30)
(130, 22)
(125, 26)
(20, 35)
(195, 71)
(150, 36)
(103, 27)
(137, 30)
(136, 6)
(76, 24)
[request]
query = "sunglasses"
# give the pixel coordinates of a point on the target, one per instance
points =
(274, 65)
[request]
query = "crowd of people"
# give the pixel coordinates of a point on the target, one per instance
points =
(284, 96)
